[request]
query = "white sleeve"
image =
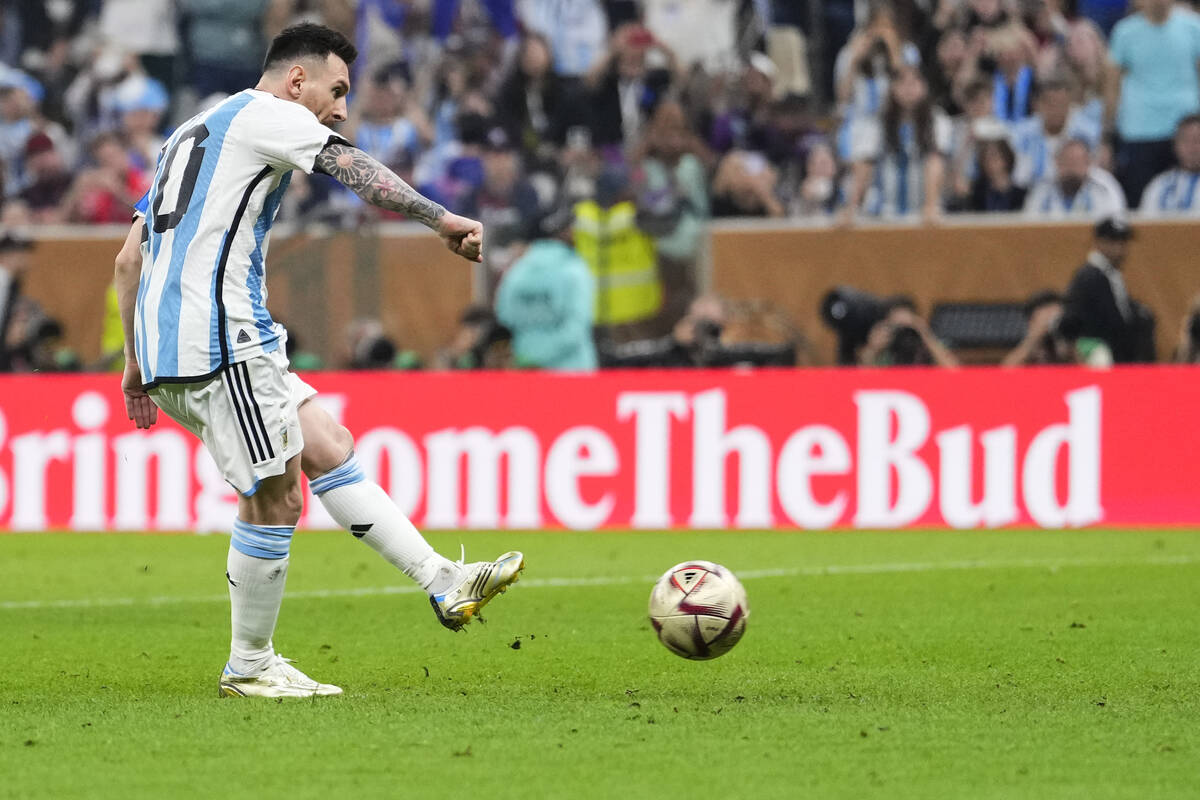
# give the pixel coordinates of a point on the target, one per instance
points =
(866, 139)
(288, 135)
(1116, 195)
(1152, 196)
(943, 133)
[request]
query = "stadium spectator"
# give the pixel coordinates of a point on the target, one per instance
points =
(535, 105)
(106, 191)
(1082, 63)
(224, 43)
(673, 201)
(504, 201)
(743, 118)
(699, 32)
(943, 73)
(621, 256)
(1079, 190)
(1039, 137)
(578, 30)
(1153, 84)
(975, 124)
(146, 28)
(862, 72)
(1099, 299)
(49, 179)
(19, 119)
(995, 188)
(141, 102)
(547, 300)
(626, 84)
(899, 161)
(1173, 193)
(745, 186)
(903, 338)
(820, 192)
(1013, 49)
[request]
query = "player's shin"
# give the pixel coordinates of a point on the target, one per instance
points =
(256, 572)
(364, 509)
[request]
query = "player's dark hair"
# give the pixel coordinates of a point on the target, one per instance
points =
(307, 39)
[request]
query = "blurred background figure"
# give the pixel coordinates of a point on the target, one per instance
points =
(1153, 84)
(546, 300)
(1051, 337)
(899, 160)
(1099, 299)
(902, 338)
(1173, 193)
(1078, 190)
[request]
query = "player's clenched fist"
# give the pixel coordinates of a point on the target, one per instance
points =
(462, 235)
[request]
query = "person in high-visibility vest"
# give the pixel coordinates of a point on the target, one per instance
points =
(622, 257)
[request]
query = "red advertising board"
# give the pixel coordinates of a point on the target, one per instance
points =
(969, 448)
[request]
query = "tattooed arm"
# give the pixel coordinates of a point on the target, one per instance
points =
(379, 186)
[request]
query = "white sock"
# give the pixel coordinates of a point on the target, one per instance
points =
(364, 508)
(255, 594)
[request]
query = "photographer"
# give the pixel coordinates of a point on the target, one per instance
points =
(698, 340)
(1053, 338)
(903, 338)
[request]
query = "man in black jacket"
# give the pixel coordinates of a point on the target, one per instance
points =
(1099, 300)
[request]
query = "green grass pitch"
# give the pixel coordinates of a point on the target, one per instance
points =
(914, 664)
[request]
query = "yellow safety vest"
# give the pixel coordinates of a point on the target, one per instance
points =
(622, 258)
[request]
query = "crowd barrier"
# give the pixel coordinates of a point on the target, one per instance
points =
(969, 448)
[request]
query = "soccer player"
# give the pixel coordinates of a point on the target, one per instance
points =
(201, 346)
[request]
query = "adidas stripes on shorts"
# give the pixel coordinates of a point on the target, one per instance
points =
(247, 417)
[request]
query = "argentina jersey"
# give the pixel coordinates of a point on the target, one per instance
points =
(1100, 196)
(1172, 194)
(897, 187)
(202, 295)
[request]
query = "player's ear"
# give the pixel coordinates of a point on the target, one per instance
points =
(295, 80)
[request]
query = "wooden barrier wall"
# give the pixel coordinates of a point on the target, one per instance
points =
(403, 275)
(981, 260)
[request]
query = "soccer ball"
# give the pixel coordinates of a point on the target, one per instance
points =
(699, 610)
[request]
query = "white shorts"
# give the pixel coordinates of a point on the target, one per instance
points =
(247, 417)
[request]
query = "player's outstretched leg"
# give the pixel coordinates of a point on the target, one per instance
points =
(456, 590)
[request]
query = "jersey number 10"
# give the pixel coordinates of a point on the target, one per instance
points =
(175, 186)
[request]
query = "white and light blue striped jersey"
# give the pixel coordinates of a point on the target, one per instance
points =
(1172, 194)
(1035, 149)
(898, 186)
(202, 296)
(1099, 197)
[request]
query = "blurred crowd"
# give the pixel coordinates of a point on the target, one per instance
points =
(618, 128)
